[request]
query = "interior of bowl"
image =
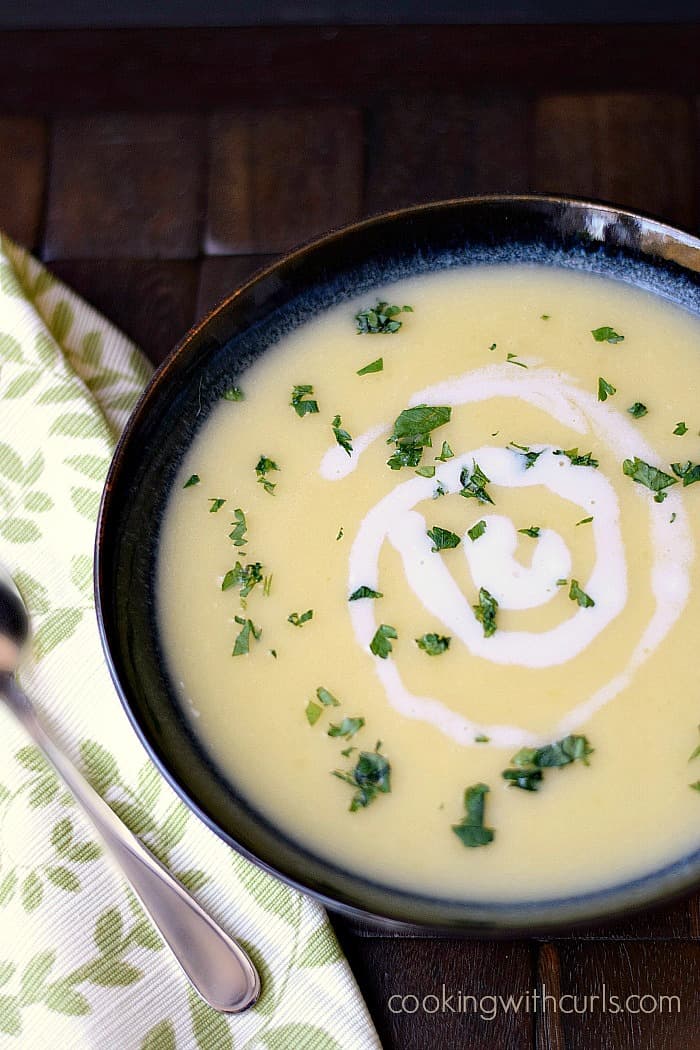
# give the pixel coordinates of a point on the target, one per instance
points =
(527, 230)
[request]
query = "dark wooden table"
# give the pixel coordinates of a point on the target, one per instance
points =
(154, 170)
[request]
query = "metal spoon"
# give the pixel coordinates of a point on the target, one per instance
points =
(219, 969)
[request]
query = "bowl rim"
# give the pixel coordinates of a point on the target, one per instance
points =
(469, 927)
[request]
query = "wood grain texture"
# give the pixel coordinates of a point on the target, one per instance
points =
(549, 1033)
(22, 177)
(124, 186)
(433, 146)
(278, 177)
(631, 969)
(151, 301)
(194, 68)
(633, 149)
(389, 967)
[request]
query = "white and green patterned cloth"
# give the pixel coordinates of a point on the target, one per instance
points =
(81, 966)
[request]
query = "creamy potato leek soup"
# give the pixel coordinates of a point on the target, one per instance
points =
(429, 588)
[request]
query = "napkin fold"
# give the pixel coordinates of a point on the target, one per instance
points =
(80, 963)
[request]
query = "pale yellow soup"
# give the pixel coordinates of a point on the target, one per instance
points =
(631, 688)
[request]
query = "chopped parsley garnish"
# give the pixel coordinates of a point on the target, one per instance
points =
(584, 521)
(373, 366)
(473, 484)
(476, 530)
(440, 490)
(471, 830)
(371, 775)
(411, 433)
(482, 739)
(326, 698)
(530, 761)
(605, 389)
(216, 504)
(433, 644)
(696, 785)
(446, 453)
(417, 423)
(347, 728)
(638, 410)
(347, 751)
(193, 479)
(340, 533)
(313, 712)
(426, 472)
(341, 436)
(405, 456)
(442, 539)
(527, 779)
(688, 472)
(238, 535)
(493, 346)
(681, 429)
(545, 317)
(380, 319)
(234, 393)
(583, 459)
(653, 478)
(364, 592)
(262, 468)
(526, 452)
(532, 530)
(267, 585)
(580, 596)
(561, 582)
(485, 612)
(302, 404)
(299, 619)
(512, 359)
(244, 576)
(241, 646)
(381, 645)
(606, 334)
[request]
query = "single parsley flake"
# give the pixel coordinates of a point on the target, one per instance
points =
(606, 334)
(485, 612)
(471, 830)
(477, 530)
(341, 436)
(248, 630)
(373, 366)
(364, 592)
(442, 539)
(605, 389)
(301, 403)
(578, 595)
(433, 644)
(381, 643)
(637, 410)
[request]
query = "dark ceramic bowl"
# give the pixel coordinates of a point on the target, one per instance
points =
(547, 230)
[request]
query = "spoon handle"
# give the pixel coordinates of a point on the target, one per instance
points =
(219, 969)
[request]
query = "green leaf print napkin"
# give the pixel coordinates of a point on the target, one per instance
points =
(81, 966)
